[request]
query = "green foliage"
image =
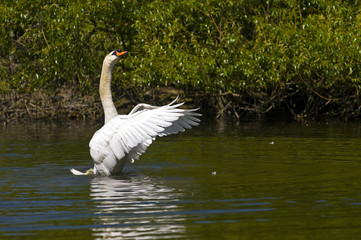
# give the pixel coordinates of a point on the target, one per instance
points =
(47, 44)
(246, 48)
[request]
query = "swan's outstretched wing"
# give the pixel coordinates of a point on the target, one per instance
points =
(130, 135)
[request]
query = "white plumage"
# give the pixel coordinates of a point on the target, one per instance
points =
(126, 137)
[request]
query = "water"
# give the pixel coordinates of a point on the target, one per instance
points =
(252, 180)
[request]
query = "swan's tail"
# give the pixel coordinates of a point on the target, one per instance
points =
(76, 172)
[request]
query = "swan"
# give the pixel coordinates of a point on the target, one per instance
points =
(125, 137)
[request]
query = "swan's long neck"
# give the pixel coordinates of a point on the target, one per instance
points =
(106, 92)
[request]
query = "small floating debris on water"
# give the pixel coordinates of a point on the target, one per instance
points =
(272, 142)
(214, 173)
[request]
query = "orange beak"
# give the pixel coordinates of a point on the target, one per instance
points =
(121, 53)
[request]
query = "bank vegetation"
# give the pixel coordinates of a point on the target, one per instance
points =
(297, 58)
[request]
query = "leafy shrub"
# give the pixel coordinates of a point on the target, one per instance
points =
(300, 55)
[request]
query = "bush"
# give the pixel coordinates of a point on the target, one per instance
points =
(302, 56)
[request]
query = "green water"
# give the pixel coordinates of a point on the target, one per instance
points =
(250, 180)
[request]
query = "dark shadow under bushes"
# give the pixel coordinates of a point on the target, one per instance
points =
(289, 101)
(286, 102)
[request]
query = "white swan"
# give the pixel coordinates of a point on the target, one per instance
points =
(126, 137)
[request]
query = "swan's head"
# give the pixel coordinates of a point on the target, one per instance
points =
(113, 57)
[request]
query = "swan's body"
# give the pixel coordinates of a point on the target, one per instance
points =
(126, 137)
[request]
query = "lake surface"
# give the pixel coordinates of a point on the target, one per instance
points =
(246, 180)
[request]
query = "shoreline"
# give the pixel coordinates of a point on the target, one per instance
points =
(67, 104)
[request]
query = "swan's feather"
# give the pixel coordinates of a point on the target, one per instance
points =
(126, 137)
(76, 172)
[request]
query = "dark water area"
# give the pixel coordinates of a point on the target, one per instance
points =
(247, 180)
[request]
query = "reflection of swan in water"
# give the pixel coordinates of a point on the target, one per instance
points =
(135, 206)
